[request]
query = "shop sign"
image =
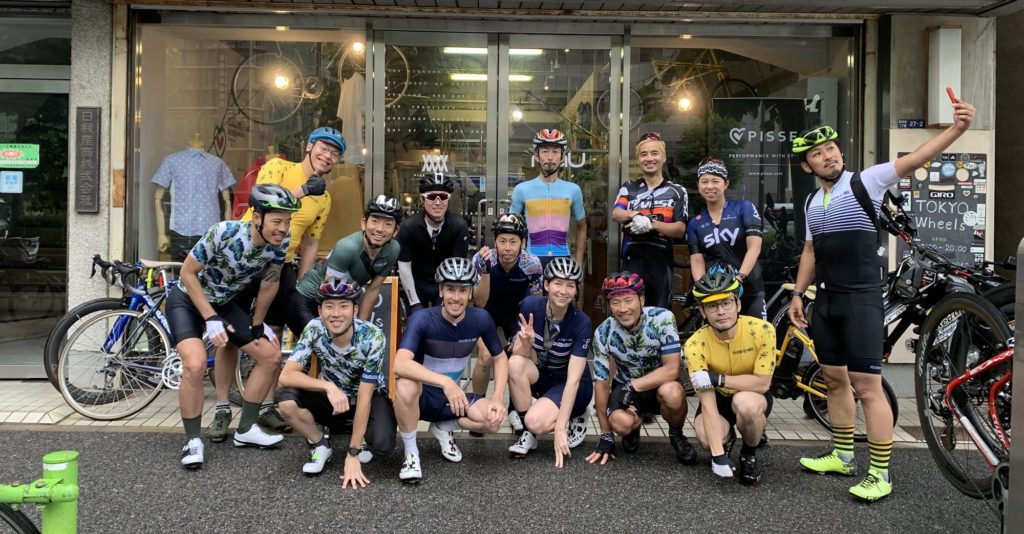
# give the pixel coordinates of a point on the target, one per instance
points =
(910, 123)
(87, 160)
(11, 182)
(19, 156)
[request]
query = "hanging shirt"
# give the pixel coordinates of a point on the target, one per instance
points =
(241, 201)
(350, 111)
(195, 179)
(548, 209)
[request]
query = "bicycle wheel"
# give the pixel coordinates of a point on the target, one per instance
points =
(818, 403)
(111, 367)
(17, 520)
(960, 331)
(242, 370)
(55, 341)
(1004, 299)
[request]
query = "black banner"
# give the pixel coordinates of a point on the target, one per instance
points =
(87, 160)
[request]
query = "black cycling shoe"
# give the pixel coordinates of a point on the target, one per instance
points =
(648, 418)
(631, 441)
(764, 441)
(749, 471)
(730, 443)
(685, 453)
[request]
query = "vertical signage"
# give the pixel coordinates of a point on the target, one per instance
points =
(87, 160)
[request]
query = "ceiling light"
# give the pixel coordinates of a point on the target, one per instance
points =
(358, 47)
(525, 51)
(464, 50)
(685, 103)
(281, 81)
(686, 36)
(477, 77)
(519, 78)
(281, 28)
(516, 114)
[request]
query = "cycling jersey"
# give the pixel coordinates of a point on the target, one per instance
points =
(567, 338)
(424, 253)
(667, 202)
(443, 347)
(312, 215)
(845, 240)
(752, 351)
(636, 353)
(360, 362)
(347, 256)
(726, 241)
(509, 288)
(231, 260)
(548, 208)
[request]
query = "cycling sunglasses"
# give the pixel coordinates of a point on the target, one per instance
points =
(650, 136)
(437, 196)
(711, 159)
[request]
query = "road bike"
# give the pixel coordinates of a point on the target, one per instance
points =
(963, 378)
(113, 363)
(56, 492)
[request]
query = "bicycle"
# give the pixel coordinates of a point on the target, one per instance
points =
(798, 372)
(127, 353)
(963, 376)
(56, 492)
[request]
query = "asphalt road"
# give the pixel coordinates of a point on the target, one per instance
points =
(132, 482)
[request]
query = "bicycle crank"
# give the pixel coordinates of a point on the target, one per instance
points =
(172, 371)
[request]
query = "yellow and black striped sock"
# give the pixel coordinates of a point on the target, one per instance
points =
(881, 451)
(842, 440)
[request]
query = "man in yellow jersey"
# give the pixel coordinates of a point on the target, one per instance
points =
(730, 361)
(324, 148)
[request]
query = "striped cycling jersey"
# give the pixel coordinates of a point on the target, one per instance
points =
(549, 209)
(665, 203)
(443, 347)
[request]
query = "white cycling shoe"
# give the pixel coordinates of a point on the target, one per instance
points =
(527, 442)
(192, 454)
(411, 472)
(577, 431)
(449, 449)
(257, 437)
(319, 455)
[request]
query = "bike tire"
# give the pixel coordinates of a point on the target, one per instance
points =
(984, 333)
(815, 377)
(1004, 298)
(128, 381)
(242, 370)
(55, 341)
(17, 520)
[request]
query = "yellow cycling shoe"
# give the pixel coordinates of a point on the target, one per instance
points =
(830, 462)
(873, 487)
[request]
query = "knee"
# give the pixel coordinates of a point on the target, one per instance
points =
(517, 369)
(746, 410)
(193, 369)
(407, 391)
(621, 422)
(484, 362)
(671, 394)
(288, 408)
(869, 390)
(538, 422)
(265, 354)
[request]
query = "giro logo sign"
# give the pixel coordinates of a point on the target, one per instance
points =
(435, 164)
(740, 135)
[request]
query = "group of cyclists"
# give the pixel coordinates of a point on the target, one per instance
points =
(240, 286)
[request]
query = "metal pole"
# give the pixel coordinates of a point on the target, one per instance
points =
(1013, 507)
(61, 514)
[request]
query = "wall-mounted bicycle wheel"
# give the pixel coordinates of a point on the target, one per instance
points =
(268, 88)
(603, 109)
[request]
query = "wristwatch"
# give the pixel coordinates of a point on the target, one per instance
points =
(796, 293)
(354, 451)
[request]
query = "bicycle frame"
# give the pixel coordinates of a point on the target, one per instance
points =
(990, 457)
(57, 492)
(794, 333)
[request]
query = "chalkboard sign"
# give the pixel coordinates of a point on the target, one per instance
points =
(947, 199)
(385, 316)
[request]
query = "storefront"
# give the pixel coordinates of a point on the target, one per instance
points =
(35, 58)
(428, 94)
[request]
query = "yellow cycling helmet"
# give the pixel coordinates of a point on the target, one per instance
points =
(717, 284)
(813, 137)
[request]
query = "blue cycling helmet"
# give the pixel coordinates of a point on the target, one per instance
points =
(328, 134)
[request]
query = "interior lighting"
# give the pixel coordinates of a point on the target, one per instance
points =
(281, 81)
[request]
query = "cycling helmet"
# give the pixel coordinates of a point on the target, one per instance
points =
(549, 137)
(436, 182)
(329, 135)
(342, 287)
(564, 268)
(620, 284)
(509, 223)
(270, 197)
(813, 137)
(457, 272)
(382, 206)
(717, 284)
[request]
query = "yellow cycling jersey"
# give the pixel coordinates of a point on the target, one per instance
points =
(311, 217)
(751, 352)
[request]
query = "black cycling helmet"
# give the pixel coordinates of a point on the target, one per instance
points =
(386, 207)
(509, 223)
(717, 284)
(436, 182)
(270, 197)
(341, 287)
(564, 268)
(456, 272)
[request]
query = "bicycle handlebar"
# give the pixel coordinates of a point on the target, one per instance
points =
(116, 273)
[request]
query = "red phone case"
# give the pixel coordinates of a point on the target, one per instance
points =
(952, 96)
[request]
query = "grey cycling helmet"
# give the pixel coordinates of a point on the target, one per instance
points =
(564, 268)
(456, 272)
(382, 206)
(436, 182)
(271, 197)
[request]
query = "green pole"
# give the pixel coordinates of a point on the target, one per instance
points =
(61, 514)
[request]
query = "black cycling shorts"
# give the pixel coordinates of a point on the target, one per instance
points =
(551, 386)
(724, 403)
(277, 314)
(646, 401)
(847, 330)
(658, 279)
(380, 429)
(186, 323)
(301, 310)
(752, 304)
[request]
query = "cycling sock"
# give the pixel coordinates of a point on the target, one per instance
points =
(193, 427)
(721, 459)
(223, 406)
(250, 411)
(842, 440)
(409, 442)
(880, 453)
(450, 425)
(747, 450)
(266, 406)
(676, 431)
(522, 417)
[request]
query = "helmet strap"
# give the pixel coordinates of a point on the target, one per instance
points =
(369, 245)
(347, 330)
(724, 330)
(259, 228)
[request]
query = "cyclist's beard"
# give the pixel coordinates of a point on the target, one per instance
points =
(549, 169)
(834, 177)
(369, 244)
